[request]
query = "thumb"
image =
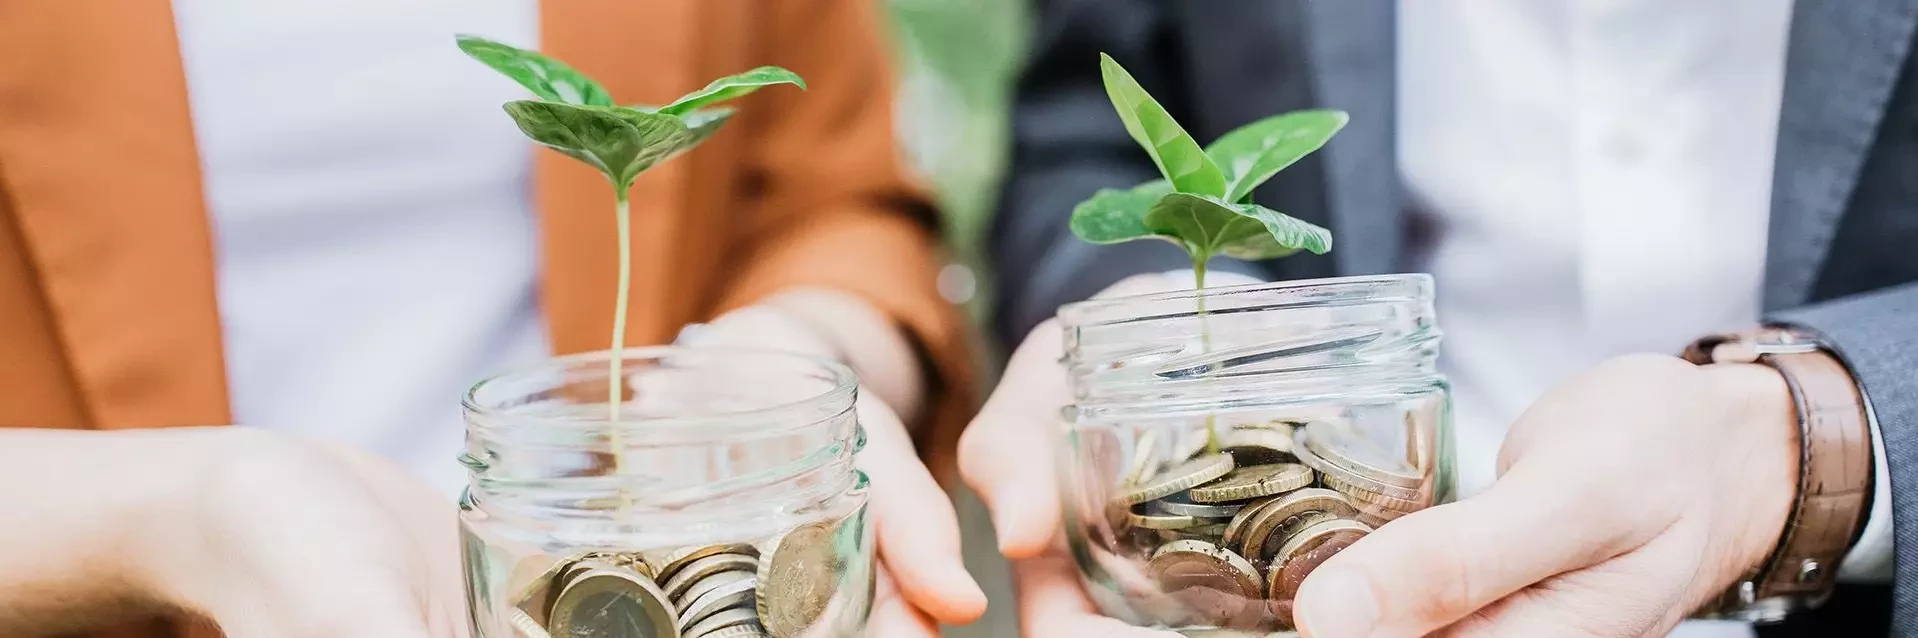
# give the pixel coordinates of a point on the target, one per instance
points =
(1431, 568)
(1006, 454)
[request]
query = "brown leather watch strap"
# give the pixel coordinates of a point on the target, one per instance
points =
(1835, 467)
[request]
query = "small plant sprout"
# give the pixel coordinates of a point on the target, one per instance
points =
(1203, 204)
(575, 115)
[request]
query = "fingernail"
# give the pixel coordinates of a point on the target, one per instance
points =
(1338, 603)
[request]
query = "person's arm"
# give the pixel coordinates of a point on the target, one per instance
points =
(1876, 334)
(1067, 143)
(261, 534)
(835, 210)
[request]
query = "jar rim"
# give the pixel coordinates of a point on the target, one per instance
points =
(844, 388)
(1401, 285)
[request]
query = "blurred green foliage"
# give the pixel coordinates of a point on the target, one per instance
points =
(958, 59)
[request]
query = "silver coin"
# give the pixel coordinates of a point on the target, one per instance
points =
(730, 590)
(742, 622)
(1181, 504)
(612, 602)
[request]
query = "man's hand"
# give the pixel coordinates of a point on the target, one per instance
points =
(1627, 497)
(1008, 455)
(922, 578)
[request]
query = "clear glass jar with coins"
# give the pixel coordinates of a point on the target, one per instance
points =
(1221, 447)
(722, 502)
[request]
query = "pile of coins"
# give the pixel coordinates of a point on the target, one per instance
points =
(1230, 535)
(713, 591)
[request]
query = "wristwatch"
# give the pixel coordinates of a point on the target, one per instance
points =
(1834, 472)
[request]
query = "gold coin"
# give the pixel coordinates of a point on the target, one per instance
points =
(1326, 469)
(797, 579)
(1235, 529)
(717, 624)
(1181, 504)
(1179, 478)
(607, 601)
(536, 598)
(721, 591)
(1347, 448)
(697, 570)
(1245, 483)
(1192, 563)
(1364, 495)
(1149, 520)
(1264, 533)
(671, 563)
(1308, 549)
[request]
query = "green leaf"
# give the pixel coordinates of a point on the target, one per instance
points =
(1178, 156)
(1209, 226)
(1113, 215)
(1253, 153)
(550, 79)
(619, 141)
(733, 87)
(704, 123)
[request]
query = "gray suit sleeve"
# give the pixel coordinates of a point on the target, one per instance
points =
(1066, 144)
(1876, 334)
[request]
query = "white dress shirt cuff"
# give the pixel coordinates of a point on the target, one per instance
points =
(1870, 561)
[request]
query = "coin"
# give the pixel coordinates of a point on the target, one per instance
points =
(1365, 495)
(536, 598)
(1245, 483)
(1349, 449)
(697, 570)
(526, 626)
(725, 590)
(1262, 538)
(728, 619)
(1149, 520)
(1235, 528)
(671, 563)
(1256, 445)
(1308, 549)
(797, 579)
(736, 631)
(1193, 563)
(1181, 504)
(1140, 469)
(607, 601)
(1180, 478)
(1309, 456)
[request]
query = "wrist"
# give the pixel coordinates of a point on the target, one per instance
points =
(1761, 417)
(170, 542)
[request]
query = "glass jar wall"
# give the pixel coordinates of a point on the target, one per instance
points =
(1222, 446)
(722, 502)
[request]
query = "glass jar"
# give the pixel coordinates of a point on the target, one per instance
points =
(722, 501)
(1221, 446)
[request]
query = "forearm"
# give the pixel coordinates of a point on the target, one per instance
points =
(74, 513)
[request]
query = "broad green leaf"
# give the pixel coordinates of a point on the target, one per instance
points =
(1177, 155)
(704, 123)
(733, 87)
(1209, 226)
(1113, 215)
(619, 141)
(1253, 153)
(550, 79)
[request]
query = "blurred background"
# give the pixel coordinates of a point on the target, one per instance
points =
(957, 60)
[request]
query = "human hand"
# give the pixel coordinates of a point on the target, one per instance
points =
(273, 537)
(1627, 497)
(922, 578)
(1008, 454)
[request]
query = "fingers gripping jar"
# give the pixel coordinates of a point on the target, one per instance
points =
(731, 508)
(1221, 447)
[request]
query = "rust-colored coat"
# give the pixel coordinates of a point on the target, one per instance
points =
(108, 316)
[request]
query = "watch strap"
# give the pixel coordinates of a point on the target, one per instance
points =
(1835, 470)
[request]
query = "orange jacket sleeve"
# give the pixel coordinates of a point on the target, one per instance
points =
(832, 205)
